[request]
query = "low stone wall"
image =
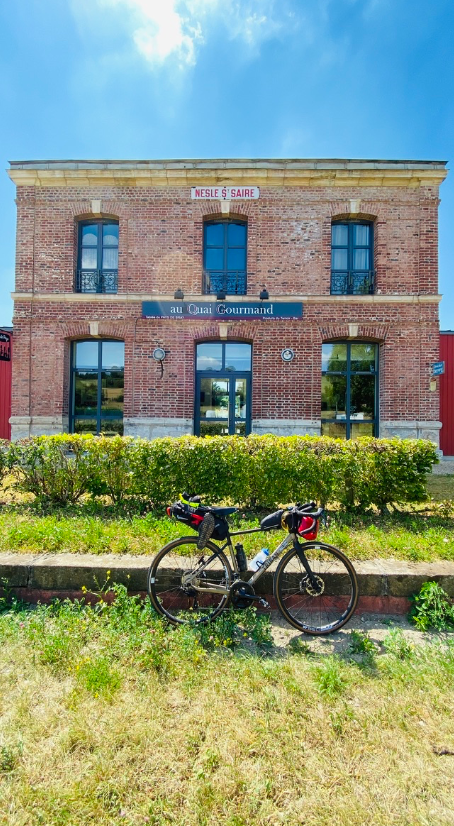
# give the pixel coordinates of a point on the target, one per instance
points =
(445, 466)
(385, 585)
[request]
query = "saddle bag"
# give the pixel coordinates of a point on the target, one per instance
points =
(193, 516)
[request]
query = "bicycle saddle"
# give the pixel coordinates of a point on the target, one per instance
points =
(223, 511)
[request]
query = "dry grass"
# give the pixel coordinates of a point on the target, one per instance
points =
(440, 488)
(218, 738)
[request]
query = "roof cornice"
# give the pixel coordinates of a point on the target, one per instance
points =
(179, 173)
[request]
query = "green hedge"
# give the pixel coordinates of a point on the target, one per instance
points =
(258, 470)
(4, 446)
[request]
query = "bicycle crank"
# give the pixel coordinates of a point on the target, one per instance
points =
(242, 595)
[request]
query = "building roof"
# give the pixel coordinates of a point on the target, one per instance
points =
(231, 163)
(256, 171)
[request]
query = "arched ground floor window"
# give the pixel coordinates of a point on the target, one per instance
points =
(97, 387)
(349, 389)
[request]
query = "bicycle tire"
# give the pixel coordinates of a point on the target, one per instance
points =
(323, 613)
(178, 602)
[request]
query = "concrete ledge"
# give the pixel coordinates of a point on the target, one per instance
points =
(385, 585)
(445, 466)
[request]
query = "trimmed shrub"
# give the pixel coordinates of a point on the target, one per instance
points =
(258, 470)
(4, 445)
(54, 468)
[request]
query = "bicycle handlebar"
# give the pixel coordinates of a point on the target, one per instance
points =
(308, 510)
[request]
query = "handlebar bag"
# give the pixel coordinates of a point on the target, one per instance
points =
(297, 522)
(308, 527)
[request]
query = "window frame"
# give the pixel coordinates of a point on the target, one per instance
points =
(98, 372)
(98, 279)
(348, 373)
(208, 288)
(348, 275)
(224, 373)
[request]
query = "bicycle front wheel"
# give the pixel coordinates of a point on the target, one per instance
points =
(324, 606)
(186, 585)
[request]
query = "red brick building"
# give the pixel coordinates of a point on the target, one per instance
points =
(168, 297)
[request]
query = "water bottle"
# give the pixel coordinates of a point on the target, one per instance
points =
(259, 559)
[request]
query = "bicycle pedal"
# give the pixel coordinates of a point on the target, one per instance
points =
(264, 603)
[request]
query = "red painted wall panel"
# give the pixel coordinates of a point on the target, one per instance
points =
(447, 394)
(5, 397)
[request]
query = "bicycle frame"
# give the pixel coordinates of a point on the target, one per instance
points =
(288, 540)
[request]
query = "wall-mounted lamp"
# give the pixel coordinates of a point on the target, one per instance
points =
(179, 294)
(264, 294)
(159, 355)
(221, 295)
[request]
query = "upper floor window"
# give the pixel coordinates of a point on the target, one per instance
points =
(224, 257)
(97, 257)
(352, 270)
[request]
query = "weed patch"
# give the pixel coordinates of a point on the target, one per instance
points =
(330, 677)
(432, 608)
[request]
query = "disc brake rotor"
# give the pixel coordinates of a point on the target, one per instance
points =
(307, 587)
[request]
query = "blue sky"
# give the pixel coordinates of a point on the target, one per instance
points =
(226, 78)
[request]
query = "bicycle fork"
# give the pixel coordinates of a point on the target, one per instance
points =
(316, 583)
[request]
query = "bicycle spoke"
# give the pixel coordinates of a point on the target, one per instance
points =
(320, 604)
(179, 586)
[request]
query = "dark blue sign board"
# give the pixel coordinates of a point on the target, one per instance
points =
(438, 368)
(222, 310)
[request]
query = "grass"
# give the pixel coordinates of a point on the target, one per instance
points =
(424, 533)
(109, 717)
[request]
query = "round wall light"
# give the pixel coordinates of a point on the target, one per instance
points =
(159, 354)
(287, 354)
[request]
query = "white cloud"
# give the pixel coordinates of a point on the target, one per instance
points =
(163, 30)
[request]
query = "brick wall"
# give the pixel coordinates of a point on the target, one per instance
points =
(289, 238)
(289, 251)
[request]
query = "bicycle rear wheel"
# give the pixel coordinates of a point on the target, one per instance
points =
(178, 575)
(322, 609)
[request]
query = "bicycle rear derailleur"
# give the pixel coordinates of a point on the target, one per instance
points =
(242, 595)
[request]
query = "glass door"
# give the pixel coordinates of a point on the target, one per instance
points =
(222, 406)
(223, 389)
(214, 406)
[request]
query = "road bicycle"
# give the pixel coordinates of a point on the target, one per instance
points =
(193, 580)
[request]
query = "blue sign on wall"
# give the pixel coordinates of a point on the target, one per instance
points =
(222, 310)
(438, 368)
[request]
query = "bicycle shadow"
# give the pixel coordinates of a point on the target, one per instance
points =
(288, 640)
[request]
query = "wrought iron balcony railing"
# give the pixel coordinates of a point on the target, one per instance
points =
(231, 282)
(355, 282)
(96, 281)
